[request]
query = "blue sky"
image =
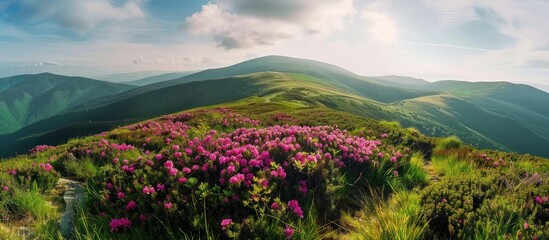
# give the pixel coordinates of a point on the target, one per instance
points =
(433, 39)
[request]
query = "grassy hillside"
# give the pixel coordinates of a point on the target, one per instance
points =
(329, 74)
(270, 167)
(159, 78)
(442, 114)
(408, 82)
(129, 76)
(26, 99)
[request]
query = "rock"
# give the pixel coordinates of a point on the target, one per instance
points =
(73, 196)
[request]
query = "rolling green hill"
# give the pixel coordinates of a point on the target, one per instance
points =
(159, 78)
(26, 99)
(496, 115)
(329, 74)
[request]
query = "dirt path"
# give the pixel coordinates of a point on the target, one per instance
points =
(73, 196)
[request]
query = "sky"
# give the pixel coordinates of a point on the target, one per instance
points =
(474, 40)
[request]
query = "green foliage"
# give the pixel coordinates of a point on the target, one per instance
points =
(451, 166)
(415, 174)
(23, 203)
(80, 169)
(44, 180)
(398, 218)
(448, 143)
(450, 206)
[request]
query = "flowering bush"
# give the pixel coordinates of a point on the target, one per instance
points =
(231, 179)
(43, 174)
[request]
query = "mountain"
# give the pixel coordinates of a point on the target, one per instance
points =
(540, 86)
(496, 115)
(129, 76)
(327, 73)
(159, 78)
(26, 99)
(413, 83)
(261, 166)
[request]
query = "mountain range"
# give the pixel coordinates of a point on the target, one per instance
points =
(25, 99)
(497, 115)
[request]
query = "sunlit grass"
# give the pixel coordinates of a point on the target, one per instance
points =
(397, 218)
(451, 166)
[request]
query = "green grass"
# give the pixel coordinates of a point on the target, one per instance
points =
(448, 143)
(81, 169)
(398, 218)
(416, 175)
(451, 166)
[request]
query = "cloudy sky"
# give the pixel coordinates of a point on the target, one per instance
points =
(431, 39)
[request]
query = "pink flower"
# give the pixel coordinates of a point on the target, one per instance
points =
(384, 135)
(237, 178)
(302, 187)
(380, 155)
(178, 154)
(443, 200)
(288, 231)
(188, 151)
(294, 205)
(186, 170)
(275, 206)
(5, 188)
(160, 187)
(526, 225)
(182, 180)
(116, 224)
(158, 157)
(121, 195)
(393, 159)
(131, 205)
(168, 205)
(168, 164)
(395, 173)
(173, 171)
(148, 190)
(540, 200)
(225, 223)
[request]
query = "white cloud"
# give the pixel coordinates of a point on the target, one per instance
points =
(244, 24)
(452, 13)
(79, 16)
(382, 27)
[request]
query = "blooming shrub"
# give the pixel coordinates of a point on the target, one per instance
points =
(235, 177)
(450, 206)
(43, 174)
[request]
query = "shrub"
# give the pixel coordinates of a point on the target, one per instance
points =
(450, 206)
(240, 175)
(42, 174)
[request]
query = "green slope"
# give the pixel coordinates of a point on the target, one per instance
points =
(328, 74)
(30, 98)
(490, 115)
(286, 88)
(159, 78)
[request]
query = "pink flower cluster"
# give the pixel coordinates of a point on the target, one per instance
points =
(40, 148)
(226, 223)
(46, 167)
(118, 223)
(278, 159)
(294, 206)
